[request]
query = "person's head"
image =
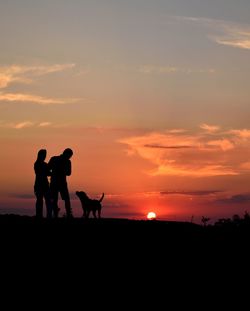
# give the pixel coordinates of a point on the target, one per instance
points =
(41, 155)
(67, 153)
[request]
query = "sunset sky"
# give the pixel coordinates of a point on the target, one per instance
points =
(152, 96)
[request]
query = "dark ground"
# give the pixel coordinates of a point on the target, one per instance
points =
(121, 257)
(147, 236)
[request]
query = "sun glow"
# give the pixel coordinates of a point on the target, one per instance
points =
(151, 216)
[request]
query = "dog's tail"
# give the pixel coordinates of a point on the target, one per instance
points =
(100, 200)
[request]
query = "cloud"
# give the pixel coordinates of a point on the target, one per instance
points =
(26, 74)
(224, 144)
(19, 97)
(192, 193)
(21, 195)
(167, 147)
(236, 199)
(177, 131)
(244, 133)
(44, 124)
(23, 125)
(26, 124)
(189, 153)
(152, 69)
(225, 33)
(195, 170)
(29, 196)
(234, 35)
(209, 128)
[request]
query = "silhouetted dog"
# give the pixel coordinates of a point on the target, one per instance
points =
(90, 205)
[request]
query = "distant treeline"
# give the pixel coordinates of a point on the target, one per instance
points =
(235, 220)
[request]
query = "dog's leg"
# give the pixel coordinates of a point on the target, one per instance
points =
(99, 213)
(94, 213)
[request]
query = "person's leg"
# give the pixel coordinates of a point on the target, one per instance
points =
(48, 203)
(39, 205)
(55, 205)
(68, 208)
(54, 199)
(65, 196)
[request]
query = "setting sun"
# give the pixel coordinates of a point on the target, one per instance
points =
(151, 216)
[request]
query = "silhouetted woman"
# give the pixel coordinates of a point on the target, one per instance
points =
(41, 187)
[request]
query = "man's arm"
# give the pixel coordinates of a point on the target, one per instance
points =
(50, 164)
(48, 171)
(68, 168)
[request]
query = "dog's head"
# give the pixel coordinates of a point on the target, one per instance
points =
(81, 195)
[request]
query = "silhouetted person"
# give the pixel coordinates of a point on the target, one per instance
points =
(60, 168)
(41, 186)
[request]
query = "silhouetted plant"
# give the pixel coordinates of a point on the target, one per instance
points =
(192, 219)
(236, 219)
(204, 220)
(223, 221)
(246, 217)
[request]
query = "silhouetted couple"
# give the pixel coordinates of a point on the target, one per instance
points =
(58, 168)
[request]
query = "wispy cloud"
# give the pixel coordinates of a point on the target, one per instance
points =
(24, 196)
(44, 124)
(223, 32)
(27, 124)
(209, 128)
(149, 69)
(192, 193)
(167, 147)
(19, 97)
(197, 154)
(26, 74)
(176, 131)
(195, 170)
(236, 36)
(222, 143)
(23, 125)
(244, 133)
(161, 70)
(236, 199)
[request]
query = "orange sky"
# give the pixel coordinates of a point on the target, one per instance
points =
(175, 173)
(152, 96)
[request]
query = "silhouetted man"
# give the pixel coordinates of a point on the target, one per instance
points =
(60, 168)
